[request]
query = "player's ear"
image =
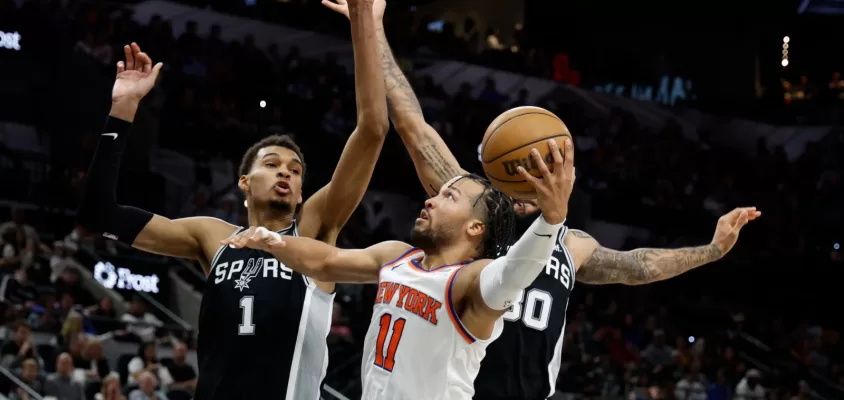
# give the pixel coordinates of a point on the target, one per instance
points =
(243, 184)
(475, 228)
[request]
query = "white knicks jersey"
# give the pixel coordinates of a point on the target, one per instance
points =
(416, 347)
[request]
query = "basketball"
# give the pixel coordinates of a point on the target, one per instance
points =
(507, 144)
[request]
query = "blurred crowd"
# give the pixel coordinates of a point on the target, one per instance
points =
(216, 98)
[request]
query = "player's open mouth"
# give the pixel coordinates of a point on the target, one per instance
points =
(281, 187)
(423, 216)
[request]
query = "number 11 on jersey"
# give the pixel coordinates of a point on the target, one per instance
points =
(388, 360)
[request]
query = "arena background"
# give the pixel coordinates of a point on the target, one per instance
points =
(678, 115)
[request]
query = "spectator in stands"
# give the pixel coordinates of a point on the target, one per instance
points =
(16, 249)
(690, 387)
(111, 389)
(96, 365)
(75, 346)
(19, 290)
(720, 389)
(750, 387)
(61, 384)
(103, 317)
(139, 323)
(60, 260)
(146, 388)
(20, 348)
(146, 361)
(29, 376)
(18, 223)
(183, 374)
(658, 353)
(70, 283)
(72, 330)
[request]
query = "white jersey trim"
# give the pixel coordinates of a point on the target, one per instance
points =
(556, 361)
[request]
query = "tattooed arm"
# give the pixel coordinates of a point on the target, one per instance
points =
(434, 162)
(600, 265)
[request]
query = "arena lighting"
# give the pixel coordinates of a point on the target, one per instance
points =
(262, 104)
(785, 41)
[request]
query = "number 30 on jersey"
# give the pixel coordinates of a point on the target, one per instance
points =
(532, 308)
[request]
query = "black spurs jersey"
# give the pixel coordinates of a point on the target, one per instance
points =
(523, 363)
(262, 329)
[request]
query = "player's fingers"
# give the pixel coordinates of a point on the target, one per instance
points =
(741, 221)
(534, 181)
(145, 61)
(130, 58)
(136, 50)
(568, 153)
(540, 164)
(156, 69)
(121, 66)
(334, 6)
(557, 156)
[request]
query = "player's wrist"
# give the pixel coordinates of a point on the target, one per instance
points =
(550, 222)
(124, 109)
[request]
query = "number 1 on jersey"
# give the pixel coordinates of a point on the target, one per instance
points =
(387, 361)
(247, 327)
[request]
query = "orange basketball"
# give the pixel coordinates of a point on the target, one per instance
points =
(507, 144)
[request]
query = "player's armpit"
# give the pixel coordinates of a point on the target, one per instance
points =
(329, 264)
(196, 238)
(599, 265)
(434, 162)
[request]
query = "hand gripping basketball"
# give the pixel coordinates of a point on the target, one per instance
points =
(256, 237)
(554, 188)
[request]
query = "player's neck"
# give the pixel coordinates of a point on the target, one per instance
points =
(440, 257)
(273, 220)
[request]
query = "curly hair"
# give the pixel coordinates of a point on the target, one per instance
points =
(495, 209)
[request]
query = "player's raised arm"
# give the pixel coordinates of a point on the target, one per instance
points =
(434, 162)
(491, 286)
(325, 213)
(99, 211)
(600, 265)
(319, 260)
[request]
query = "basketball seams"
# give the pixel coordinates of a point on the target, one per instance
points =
(488, 138)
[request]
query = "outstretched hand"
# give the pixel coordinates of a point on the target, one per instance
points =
(554, 188)
(342, 7)
(135, 76)
(729, 225)
(256, 237)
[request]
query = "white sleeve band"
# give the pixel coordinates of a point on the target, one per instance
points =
(503, 278)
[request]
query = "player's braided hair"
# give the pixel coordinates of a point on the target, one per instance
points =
(498, 216)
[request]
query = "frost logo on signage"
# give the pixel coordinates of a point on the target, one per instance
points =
(122, 278)
(10, 40)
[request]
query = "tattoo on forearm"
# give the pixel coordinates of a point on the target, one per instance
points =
(641, 266)
(400, 96)
(438, 163)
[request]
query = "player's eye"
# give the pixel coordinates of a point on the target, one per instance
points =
(271, 165)
(295, 171)
(450, 196)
